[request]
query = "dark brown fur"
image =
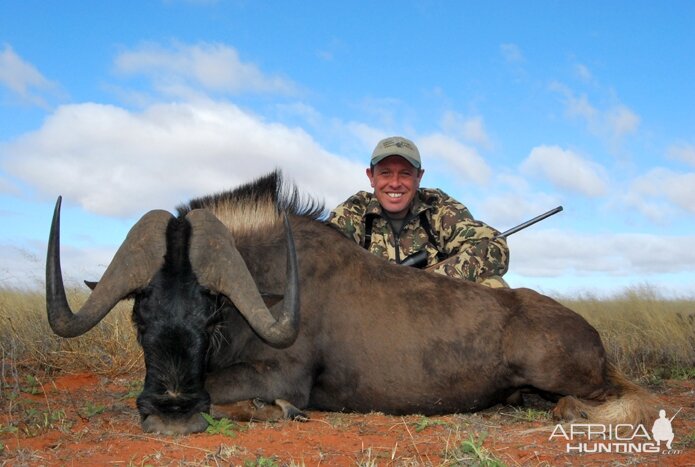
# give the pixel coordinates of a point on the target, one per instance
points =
(377, 336)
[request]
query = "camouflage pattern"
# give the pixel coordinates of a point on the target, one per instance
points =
(475, 255)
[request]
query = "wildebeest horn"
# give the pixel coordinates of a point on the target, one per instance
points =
(133, 266)
(219, 267)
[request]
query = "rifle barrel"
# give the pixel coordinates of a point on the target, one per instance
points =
(529, 223)
(674, 415)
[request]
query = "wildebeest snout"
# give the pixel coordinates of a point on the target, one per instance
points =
(173, 413)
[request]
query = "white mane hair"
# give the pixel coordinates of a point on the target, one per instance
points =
(256, 206)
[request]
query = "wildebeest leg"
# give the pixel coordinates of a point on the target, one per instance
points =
(559, 354)
(244, 383)
(515, 399)
(291, 412)
(247, 410)
(257, 410)
(570, 408)
(562, 354)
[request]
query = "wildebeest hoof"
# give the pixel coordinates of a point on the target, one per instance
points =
(291, 412)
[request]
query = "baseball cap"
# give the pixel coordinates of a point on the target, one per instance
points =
(396, 146)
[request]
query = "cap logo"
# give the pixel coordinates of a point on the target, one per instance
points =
(398, 144)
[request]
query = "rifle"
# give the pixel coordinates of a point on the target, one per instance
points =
(419, 259)
(529, 223)
(674, 415)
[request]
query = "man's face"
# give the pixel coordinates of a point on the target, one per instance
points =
(395, 182)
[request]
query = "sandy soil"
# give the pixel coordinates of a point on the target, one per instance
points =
(86, 419)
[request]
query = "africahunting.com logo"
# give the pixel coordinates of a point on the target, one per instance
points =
(621, 438)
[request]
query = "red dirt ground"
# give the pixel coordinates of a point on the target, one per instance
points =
(90, 420)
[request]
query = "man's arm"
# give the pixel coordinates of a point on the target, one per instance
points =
(474, 253)
(348, 217)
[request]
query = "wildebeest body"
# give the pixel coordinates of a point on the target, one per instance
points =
(372, 336)
(377, 336)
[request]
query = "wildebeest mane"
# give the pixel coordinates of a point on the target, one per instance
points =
(257, 204)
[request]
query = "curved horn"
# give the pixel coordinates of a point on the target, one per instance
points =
(219, 267)
(137, 260)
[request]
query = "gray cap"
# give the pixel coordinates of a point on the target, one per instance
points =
(396, 146)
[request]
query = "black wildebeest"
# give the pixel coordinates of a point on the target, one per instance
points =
(344, 331)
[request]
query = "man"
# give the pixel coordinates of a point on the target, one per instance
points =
(662, 430)
(400, 219)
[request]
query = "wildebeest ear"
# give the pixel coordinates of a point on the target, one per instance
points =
(91, 284)
(271, 299)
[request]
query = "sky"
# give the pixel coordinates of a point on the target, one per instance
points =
(517, 107)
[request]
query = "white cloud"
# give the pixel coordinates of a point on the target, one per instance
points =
(662, 184)
(362, 138)
(115, 162)
(471, 129)
(579, 106)
(612, 123)
(22, 78)
(550, 252)
(583, 72)
(621, 121)
(387, 112)
(302, 111)
(23, 265)
(212, 67)
(509, 210)
(8, 187)
(328, 51)
(463, 160)
(512, 53)
(514, 200)
(654, 210)
(683, 152)
(566, 170)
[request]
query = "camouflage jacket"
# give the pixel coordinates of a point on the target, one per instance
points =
(452, 226)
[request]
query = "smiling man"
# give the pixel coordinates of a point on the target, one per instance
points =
(400, 219)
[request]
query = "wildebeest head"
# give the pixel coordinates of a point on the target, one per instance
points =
(181, 273)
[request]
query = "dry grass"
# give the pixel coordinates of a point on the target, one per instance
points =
(646, 336)
(28, 346)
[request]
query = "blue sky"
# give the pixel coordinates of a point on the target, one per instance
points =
(517, 107)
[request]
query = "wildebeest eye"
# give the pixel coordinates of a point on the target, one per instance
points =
(213, 328)
(215, 318)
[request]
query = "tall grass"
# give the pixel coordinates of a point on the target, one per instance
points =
(644, 335)
(27, 344)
